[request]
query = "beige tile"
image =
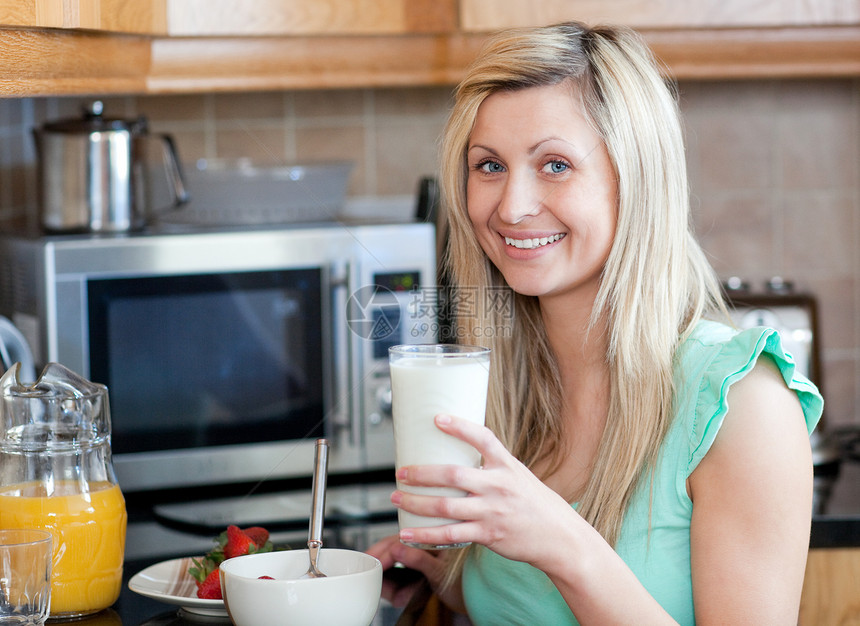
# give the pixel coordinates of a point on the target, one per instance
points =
(405, 152)
(20, 172)
(336, 143)
(735, 229)
(50, 109)
(706, 96)
(190, 145)
(820, 235)
(332, 103)
(262, 144)
(191, 108)
(431, 102)
(837, 322)
(732, 150)
(814, 148)
(250, 106)
(11, 112)
(839, 386)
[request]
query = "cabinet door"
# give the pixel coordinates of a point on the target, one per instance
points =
(220, 18)
(308, 17)
(831, 589)
(483, 15)
(129, 16)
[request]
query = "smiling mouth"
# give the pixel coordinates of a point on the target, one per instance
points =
(536, 242)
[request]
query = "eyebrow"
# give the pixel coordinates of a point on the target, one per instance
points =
(534, 148)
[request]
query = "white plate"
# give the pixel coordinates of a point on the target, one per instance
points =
(170, 582)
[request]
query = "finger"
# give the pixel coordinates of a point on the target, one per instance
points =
(424, 561)
(448, 534)
(458, 508)
(477, 435)
(382, 550)
(457, 477)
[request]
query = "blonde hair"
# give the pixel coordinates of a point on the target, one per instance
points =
(656, 284)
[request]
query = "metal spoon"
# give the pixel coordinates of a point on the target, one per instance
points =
(318, 509)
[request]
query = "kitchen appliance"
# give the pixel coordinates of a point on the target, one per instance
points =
(94, 173)
(795, 315)
(777, 305)
(227, 353)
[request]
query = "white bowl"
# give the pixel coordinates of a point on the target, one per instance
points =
(347, 596)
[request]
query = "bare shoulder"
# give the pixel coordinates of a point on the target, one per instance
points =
(764, 418)
(752, 506)
(764, 423)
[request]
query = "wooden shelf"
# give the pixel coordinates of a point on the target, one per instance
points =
(801, 52)
(48, 61)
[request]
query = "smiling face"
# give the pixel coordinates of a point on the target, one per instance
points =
(541, 191)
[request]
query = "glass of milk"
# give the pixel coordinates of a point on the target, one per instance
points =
(427, 380)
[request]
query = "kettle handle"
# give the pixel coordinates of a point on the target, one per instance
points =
(174, 172)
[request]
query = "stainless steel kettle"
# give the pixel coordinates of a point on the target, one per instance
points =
(94, 173)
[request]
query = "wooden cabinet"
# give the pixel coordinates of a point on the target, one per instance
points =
(229, 18)
(57, 47)
(707, 39)
(660, 14)
(304, 17)
(129, 16)
(831, 589)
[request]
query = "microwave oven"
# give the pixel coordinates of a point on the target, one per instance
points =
(228, 353)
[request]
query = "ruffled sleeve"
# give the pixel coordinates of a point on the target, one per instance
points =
(719, 356)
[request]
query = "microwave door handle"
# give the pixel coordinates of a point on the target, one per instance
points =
(344, 412)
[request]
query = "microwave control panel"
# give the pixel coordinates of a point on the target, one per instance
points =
(402, 310)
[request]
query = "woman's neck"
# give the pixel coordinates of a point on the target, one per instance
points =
(580, 351)
(579, 347)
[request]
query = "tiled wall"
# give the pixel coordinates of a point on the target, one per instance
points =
(775, 172)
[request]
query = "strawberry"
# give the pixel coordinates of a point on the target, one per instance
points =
(210, 589)
(258, 535)
(201, 569)
(265, 578)
(232, 542)
(238, 543)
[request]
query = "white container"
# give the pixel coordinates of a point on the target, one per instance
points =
(241, 192)
(347, 596)
(427, 380)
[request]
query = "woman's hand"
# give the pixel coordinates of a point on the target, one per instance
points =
(508, 508)
(513, 513)
(392, 553)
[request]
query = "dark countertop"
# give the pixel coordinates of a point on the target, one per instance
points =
(836, 518)
(133, 609)
(835, 524)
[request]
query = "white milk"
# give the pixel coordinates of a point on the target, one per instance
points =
(421, 388)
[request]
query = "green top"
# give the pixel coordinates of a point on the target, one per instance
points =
(499, 591)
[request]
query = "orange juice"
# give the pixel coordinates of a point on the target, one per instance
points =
(89, 539)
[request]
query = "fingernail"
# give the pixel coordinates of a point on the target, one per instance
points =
(400, 474)
(396, 498)
(443, 419)
(406, 535)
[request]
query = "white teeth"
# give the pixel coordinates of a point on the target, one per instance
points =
(528, 244)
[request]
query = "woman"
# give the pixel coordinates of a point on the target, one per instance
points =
(641, 464)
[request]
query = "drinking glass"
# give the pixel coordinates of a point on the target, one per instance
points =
(25, 576)
(427, 380)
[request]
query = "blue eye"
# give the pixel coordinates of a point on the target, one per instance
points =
(556, 167)
(490, 167)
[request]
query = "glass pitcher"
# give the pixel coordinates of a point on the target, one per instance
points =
(56, 474)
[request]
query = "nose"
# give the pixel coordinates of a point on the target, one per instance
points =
(520, 199)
